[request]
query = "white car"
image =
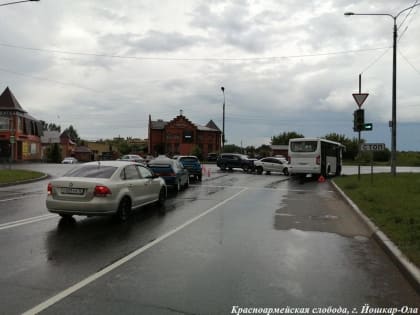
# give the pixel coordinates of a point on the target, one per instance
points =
(132, 158)
(69, 160)
(105, 188)
(272, 164)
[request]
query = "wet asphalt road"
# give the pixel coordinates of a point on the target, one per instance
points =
(235, 239)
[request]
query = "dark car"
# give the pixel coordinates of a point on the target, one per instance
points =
(192, 164)
(233, 160)
(212, 157)
(172, 171)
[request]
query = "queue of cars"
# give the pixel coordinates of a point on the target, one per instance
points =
(231, 161)
(119, 187)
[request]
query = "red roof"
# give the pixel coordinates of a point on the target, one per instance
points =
(9, 102)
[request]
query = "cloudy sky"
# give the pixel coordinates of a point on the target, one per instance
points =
(287, 65)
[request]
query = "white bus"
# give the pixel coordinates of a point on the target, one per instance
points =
(315, 156)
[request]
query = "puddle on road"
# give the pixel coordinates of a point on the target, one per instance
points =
(324, 217)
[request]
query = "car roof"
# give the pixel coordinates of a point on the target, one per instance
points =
(112, 163)
(162, 161)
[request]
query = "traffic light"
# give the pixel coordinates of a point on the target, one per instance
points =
(367, 127)
(358, 119)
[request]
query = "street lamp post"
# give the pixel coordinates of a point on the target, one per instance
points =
(14, 2)
(394, 84)
(223, 126)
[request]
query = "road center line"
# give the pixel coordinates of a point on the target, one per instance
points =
(63, 294)
(9, 225)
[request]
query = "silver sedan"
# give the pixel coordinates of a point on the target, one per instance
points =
(272, 164)
(105, 188)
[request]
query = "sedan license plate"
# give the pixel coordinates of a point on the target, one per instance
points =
(72, 191)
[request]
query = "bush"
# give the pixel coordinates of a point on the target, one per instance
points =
(54, 153)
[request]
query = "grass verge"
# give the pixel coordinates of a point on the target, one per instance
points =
(11, 176)
(392, 203)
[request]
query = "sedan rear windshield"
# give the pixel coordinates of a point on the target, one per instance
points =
(92, 171)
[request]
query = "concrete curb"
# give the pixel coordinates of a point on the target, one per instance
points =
(45, 176)
(409, 270)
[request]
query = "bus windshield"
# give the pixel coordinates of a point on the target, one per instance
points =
(303, 146)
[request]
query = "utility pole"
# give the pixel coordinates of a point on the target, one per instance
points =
(223, 127)
(394, 82)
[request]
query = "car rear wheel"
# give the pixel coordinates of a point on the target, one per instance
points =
(286, 171)
(178, 186)
(187, 183)
(162, 197)
(260, 170)
(124, 209)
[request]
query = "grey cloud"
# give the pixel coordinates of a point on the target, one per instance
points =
(152, 41)
(234, 26)
(155, 41)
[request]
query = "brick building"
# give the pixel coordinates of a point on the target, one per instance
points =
(20, 133)
(180, 136)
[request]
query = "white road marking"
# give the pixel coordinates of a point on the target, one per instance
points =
(63, 294)
(9, 225)
(16, 198)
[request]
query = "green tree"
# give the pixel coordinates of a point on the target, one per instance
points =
(50, 126)
(264, 150)
(72, 133)
(352, 145)
(124, 148)
(197, 152)
(251, 151)
(283, 138)
(231, 148)
(54, 153)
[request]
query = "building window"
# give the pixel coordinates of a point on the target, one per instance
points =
(4, 123)
(188, 136)
(19, 124)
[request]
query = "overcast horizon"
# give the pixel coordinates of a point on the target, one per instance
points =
(105, 66)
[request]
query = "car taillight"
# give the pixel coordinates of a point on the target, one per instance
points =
(102, 191)
(171, 174)
(49, 189)
(318, 160)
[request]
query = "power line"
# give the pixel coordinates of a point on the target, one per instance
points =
(408, 61)
(405, 18)
(375, 60)
(49, 80)
(144, 58)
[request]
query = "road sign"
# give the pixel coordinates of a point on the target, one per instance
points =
(360, 98)
(373, 147)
